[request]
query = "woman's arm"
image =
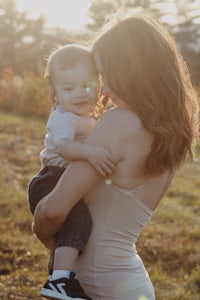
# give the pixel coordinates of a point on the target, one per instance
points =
(100, 158)
(64, 128)
(79, 178)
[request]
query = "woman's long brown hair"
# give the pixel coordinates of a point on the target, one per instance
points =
(143, 65)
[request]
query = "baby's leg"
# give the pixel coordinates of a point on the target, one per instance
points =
(76, 229)
(40, 186)
(71, 241)
(74, 235)
(64, 258)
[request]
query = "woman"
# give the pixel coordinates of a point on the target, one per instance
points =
(150, 132)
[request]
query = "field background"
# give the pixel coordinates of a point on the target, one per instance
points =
(169, 245)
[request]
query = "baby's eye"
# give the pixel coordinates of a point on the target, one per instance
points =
(67, 89)
(87, 87)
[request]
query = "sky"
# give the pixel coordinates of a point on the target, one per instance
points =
(69, 14)
(72, 14)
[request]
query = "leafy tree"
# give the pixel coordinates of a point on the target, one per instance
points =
(19, 37)
(187, 34)
(100, 11)
(186, 29)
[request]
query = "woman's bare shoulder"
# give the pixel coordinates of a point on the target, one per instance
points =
(115, 127)
(121, 118)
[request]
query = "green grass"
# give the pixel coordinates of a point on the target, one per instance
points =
(169, 245)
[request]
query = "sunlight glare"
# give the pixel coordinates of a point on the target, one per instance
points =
(68, 14)
(170, 11)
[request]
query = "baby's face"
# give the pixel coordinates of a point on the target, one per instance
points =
(76, 89)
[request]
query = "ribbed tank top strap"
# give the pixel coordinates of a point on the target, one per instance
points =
(131, 193)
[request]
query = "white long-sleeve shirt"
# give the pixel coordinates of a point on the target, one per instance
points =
(63, 125)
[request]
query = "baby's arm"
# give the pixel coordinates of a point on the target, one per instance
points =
(100, 157)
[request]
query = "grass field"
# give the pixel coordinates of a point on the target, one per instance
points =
(169, 245)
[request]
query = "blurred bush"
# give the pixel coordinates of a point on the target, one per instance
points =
(34, 98)
(28, 95)
(10, 87)
(25, 96)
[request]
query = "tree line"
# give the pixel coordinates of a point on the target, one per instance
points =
(24, 43)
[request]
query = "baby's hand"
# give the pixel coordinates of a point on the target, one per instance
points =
(102, 160)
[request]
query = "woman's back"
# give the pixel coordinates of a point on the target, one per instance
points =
(110, 267)
(130, 144)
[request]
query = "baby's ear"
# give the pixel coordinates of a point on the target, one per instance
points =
(48, 79)
(52, 93)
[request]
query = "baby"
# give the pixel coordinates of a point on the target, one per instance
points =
(72, 82)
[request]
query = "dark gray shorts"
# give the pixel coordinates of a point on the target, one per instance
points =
(76, 229)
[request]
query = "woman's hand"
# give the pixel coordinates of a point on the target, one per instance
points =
(53, 209)
(48, 243)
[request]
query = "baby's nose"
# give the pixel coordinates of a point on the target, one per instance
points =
(80, 92)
